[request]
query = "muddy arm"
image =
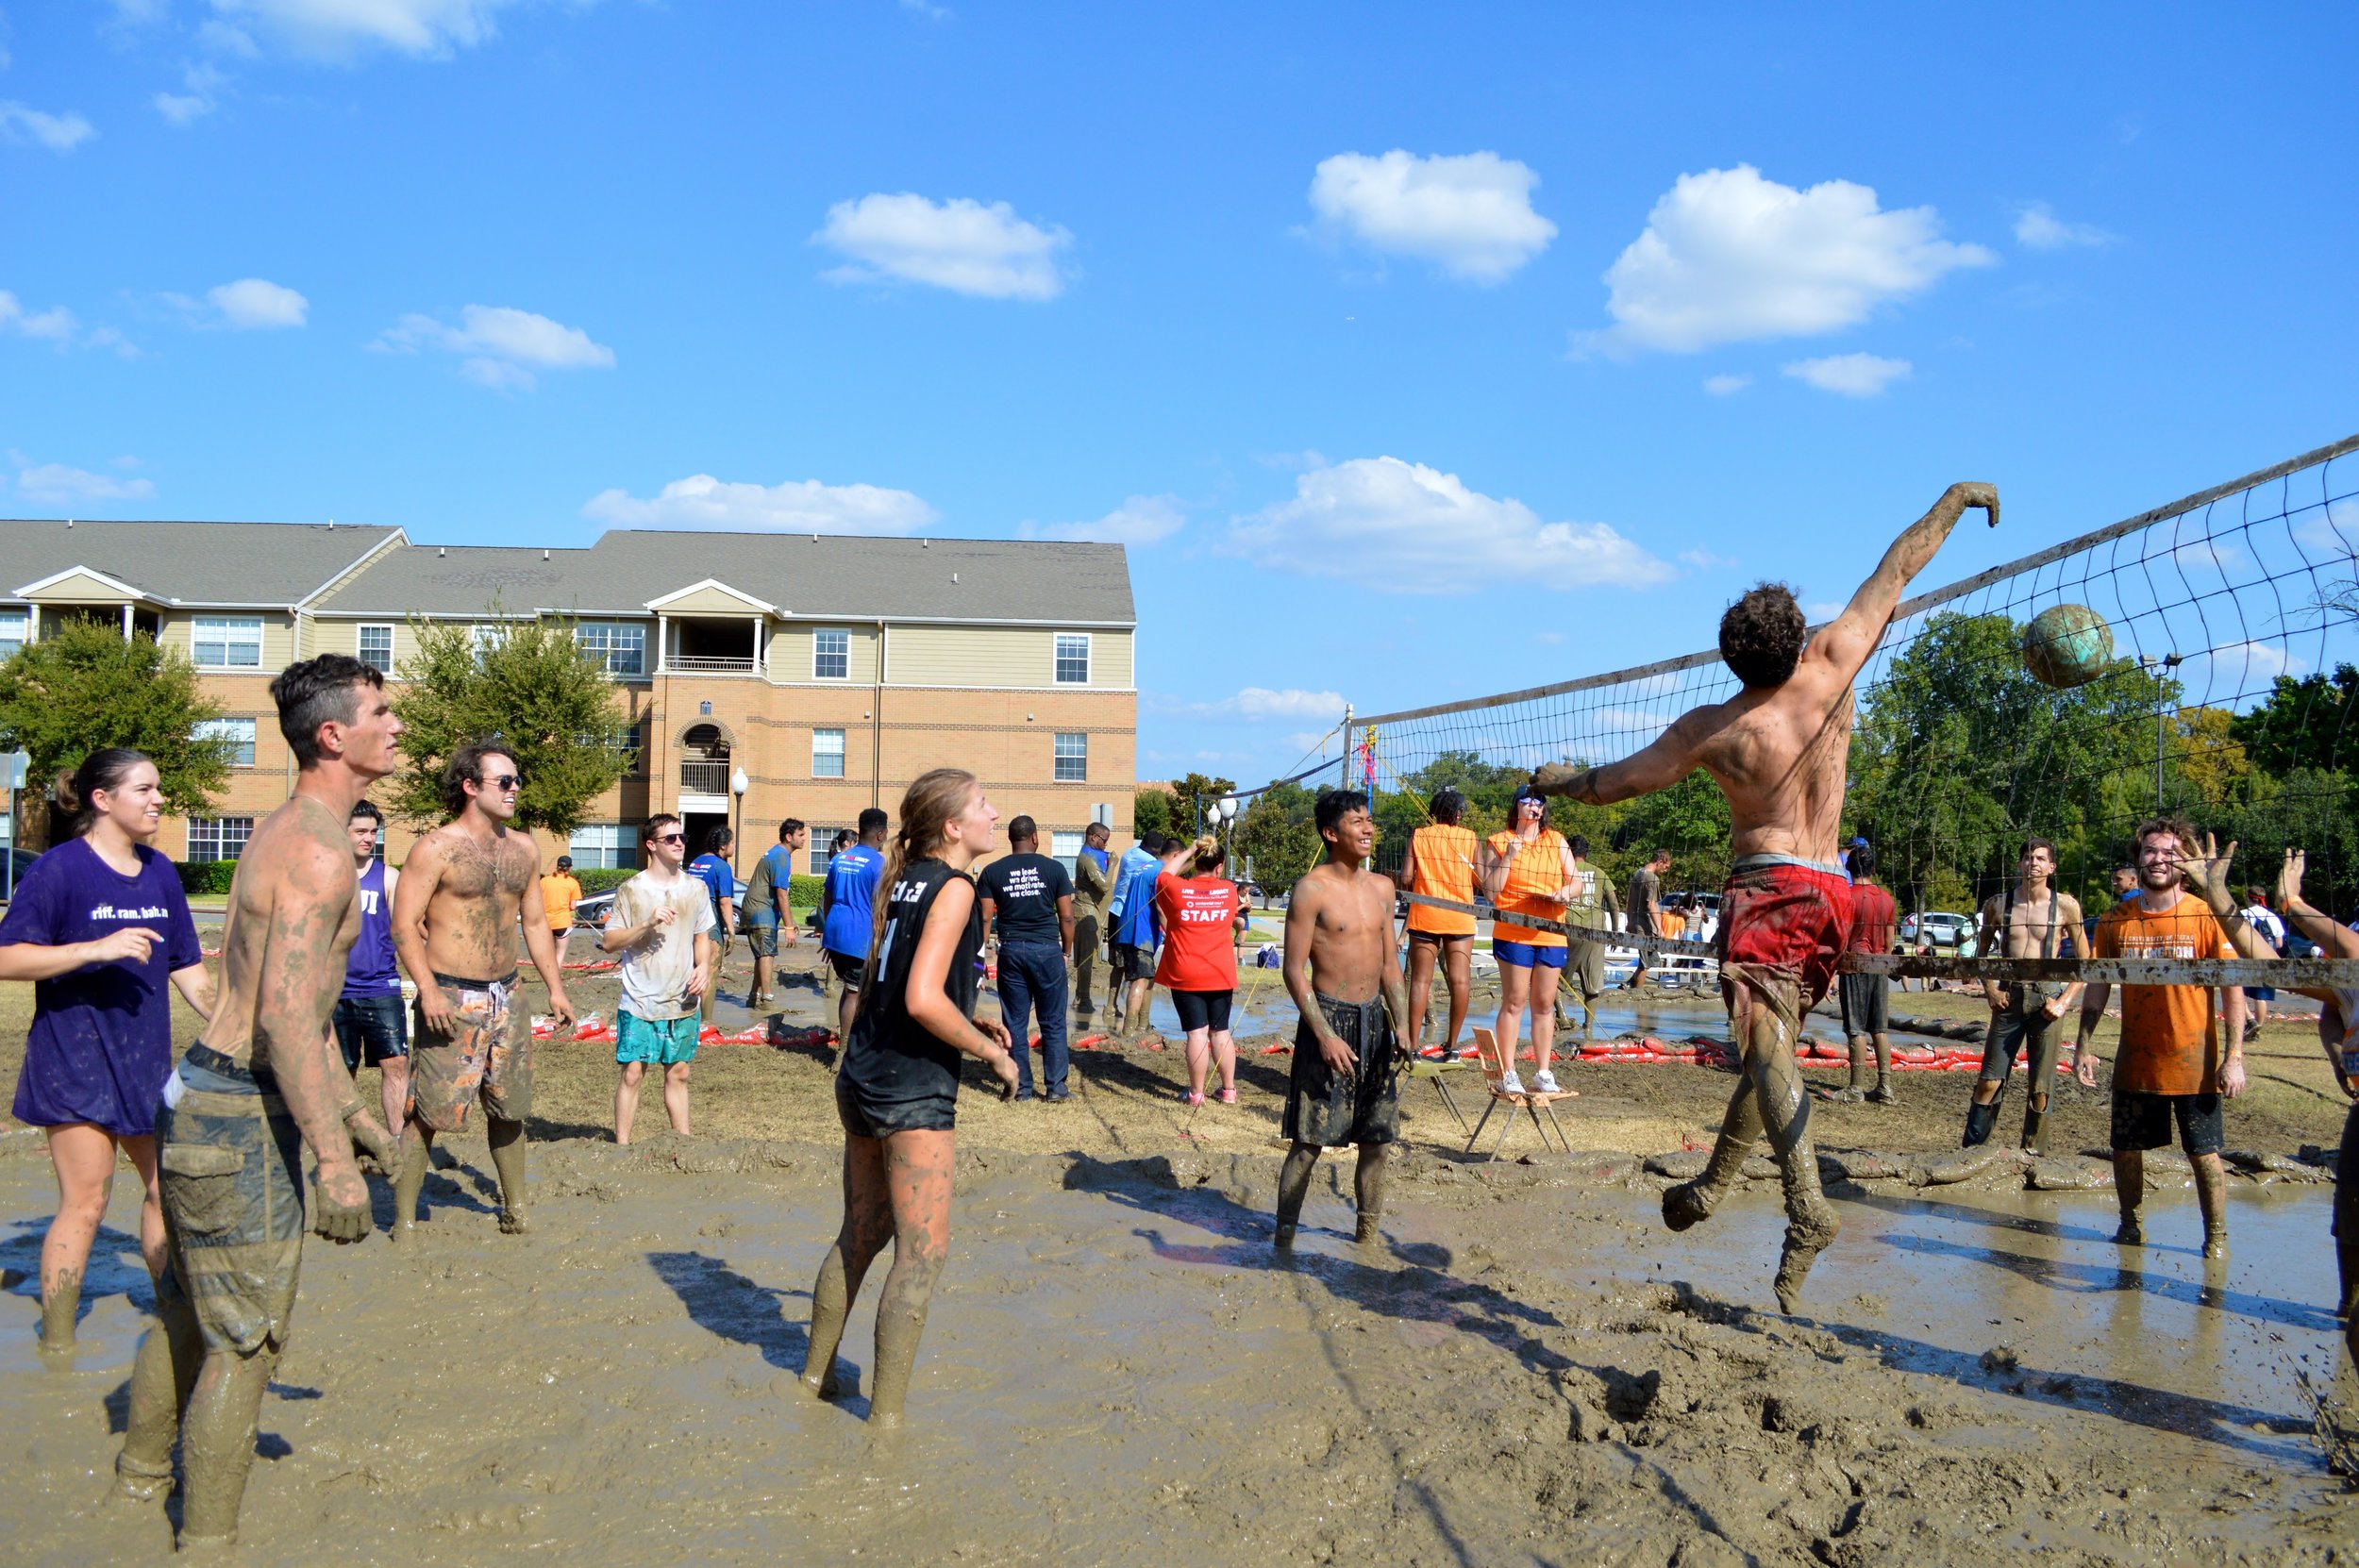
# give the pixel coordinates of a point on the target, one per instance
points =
(302, 971)
(1675, 754)
(1852, 636)
(1302, 919)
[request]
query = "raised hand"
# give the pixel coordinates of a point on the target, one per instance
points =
(2289, 879)
(1973, 492)
(2207, 874)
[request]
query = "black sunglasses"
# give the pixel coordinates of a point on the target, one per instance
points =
(502, 780)
(671, 837)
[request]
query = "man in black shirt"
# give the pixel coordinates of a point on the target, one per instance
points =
(1028, 909)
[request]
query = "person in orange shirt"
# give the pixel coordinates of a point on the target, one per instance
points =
(559, 892)
(1528, 869)
(2172, 1065)
(1441, 864)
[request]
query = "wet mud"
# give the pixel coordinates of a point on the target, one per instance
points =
(1522, 1368)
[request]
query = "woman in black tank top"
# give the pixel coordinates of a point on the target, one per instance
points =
(897, 1093)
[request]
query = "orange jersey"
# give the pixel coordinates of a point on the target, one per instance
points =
(1534, 874)
(1445, 868)
(2169, 1045)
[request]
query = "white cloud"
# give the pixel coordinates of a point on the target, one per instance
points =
(2254, 665)
(2039, 228)
(1705, 561)
(1727, 386)
(1260, 702)
(503, 346)
(1548, 639)
(1729, 256)
(340, 29)
(255, 301)
(960, 245)
(1470, 215)
(59, 133)
(807, 507)
(1385, 524)
(204, 83)
(1141, 520)
(1850, 374)
(56, 325)
(58, 483)
(2333, 528)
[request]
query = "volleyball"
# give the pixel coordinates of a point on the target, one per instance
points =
(2067, 645)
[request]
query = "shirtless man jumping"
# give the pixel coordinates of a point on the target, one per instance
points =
(268, 1078)
(1778, 749)
(1343, 973)
(456, 919)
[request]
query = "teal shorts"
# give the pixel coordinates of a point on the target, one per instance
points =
(656, 1043)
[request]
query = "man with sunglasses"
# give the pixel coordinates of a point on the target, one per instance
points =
(457, 918)
(661, 926)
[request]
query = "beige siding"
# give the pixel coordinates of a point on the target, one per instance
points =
(791, 653)
(998, 656)
(709, 601)
(79, 589)
(278, 636)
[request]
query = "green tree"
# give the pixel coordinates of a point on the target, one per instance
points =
(84, 687)
(1279, 834)
(1154, 810)
(2303, 724)
(532, 689)
(1194, 794)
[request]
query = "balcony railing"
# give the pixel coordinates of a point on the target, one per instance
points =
(704, 778)
(704, 664)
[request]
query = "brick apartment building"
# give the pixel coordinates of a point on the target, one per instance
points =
(827, 671)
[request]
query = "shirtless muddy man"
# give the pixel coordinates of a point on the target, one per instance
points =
(1778, 749)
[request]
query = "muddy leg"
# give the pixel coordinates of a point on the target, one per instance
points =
(1367, 1186)
(84, 1159)
(1421, 957)
(1294, 1185)
(161, 1380)
(1883, 1093)
(2129, 1193)
(918, 1170)
(2046, 1045)
(1692, 1202)
(217, 1441)
(1856, 1089)
(1990, 1090)
(867, 1226)
(1810, 1222)
(417, 1158)
(2211, 1197)
(1458, 966)
(508, 1158)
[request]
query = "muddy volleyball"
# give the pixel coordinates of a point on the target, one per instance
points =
(2067, 645)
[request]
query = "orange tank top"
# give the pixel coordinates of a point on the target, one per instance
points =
(1538, 868)
(1445, 868)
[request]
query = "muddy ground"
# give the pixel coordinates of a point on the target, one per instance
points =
(1526, 1369)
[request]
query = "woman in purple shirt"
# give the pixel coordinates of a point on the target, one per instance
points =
(99, 925)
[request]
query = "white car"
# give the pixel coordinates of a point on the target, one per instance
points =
(1940, 928)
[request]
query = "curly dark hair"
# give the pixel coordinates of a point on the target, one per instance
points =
(466, 767)
(1761, 636)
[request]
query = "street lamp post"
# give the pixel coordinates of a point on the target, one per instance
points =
(2169, 661)
(739, 784)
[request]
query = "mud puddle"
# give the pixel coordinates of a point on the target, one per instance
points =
(1118, 1370)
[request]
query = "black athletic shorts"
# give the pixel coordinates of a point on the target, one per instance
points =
(2345, 1226)
(1866, 1002)
(852, 971)
(1202, 1009)
(865, 1118)
(2143, 1121)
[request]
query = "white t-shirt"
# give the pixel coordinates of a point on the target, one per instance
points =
(657, 972)
(2263, 920)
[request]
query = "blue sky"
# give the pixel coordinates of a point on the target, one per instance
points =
(1417, 352)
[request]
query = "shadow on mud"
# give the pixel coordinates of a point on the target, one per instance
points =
(730, 1306)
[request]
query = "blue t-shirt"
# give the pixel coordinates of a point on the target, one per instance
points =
(762, 911)
(719, 881)
(1134, 861)
(1140, 926)
(852, 878)
(370, 971)
(100, 1046)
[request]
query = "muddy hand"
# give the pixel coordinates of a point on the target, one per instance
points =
(1338, 1055)
(2207, 874)
(562, 1007)
(340, 1206)
(434, 1009)
(1972, 492)
(373, 1141)
(1552, 778)
(2289, 878)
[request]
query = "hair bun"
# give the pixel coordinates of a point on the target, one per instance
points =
(62, 793)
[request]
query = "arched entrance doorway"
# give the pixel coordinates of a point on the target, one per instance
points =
(704, 782)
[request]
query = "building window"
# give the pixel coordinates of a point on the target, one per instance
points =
(218, 838)
(15, 627)
(619, 646)
(606, 846)
(628, 742)
(486, 638)
(1066, 847)
(826, 754)
(238, 732)
(376, 648)
(822, 848)
(1073, 758)
(832, 656)
(1073, 659)
(228, 643)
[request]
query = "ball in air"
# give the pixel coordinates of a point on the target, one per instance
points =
(2067, 645)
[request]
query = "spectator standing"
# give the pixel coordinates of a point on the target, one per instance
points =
(1140, 931)
(1440, 864)
(1593, 907)
(101, 927)
(1867, 999)
(2172, 1066)
(1143, 858)
(560, 890)
(1646, 892)
(769, 915)
(1199, 911)
(714, 870)
(1092, 887)
(1028, 909)
(2263, 919)
(369, 1019)
(662, 926)
(849, 906)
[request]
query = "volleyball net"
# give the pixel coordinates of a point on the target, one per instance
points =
(2229, 700)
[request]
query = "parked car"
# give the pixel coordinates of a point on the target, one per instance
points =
(1939, 928)
(23, 861)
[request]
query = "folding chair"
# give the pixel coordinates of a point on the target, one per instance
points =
(1436, 1071)
(1542, 1106)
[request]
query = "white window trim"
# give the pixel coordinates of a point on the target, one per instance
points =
(362, 631)
(1056, 758)
(843, 632)
(220, 823)
(206, 728)
(606, 652)
(840, 753)
(233, 628)
(1089, 657)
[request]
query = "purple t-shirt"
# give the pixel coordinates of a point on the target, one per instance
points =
(370, 971)
(100, 1046)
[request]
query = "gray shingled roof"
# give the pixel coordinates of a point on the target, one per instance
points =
(188, 564)
(829, 576)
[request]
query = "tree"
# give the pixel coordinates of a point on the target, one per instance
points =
(1154, 810)
(1279, 834)
(1194, 794)
(532, 689)
(2303, 722)
(85, 687)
